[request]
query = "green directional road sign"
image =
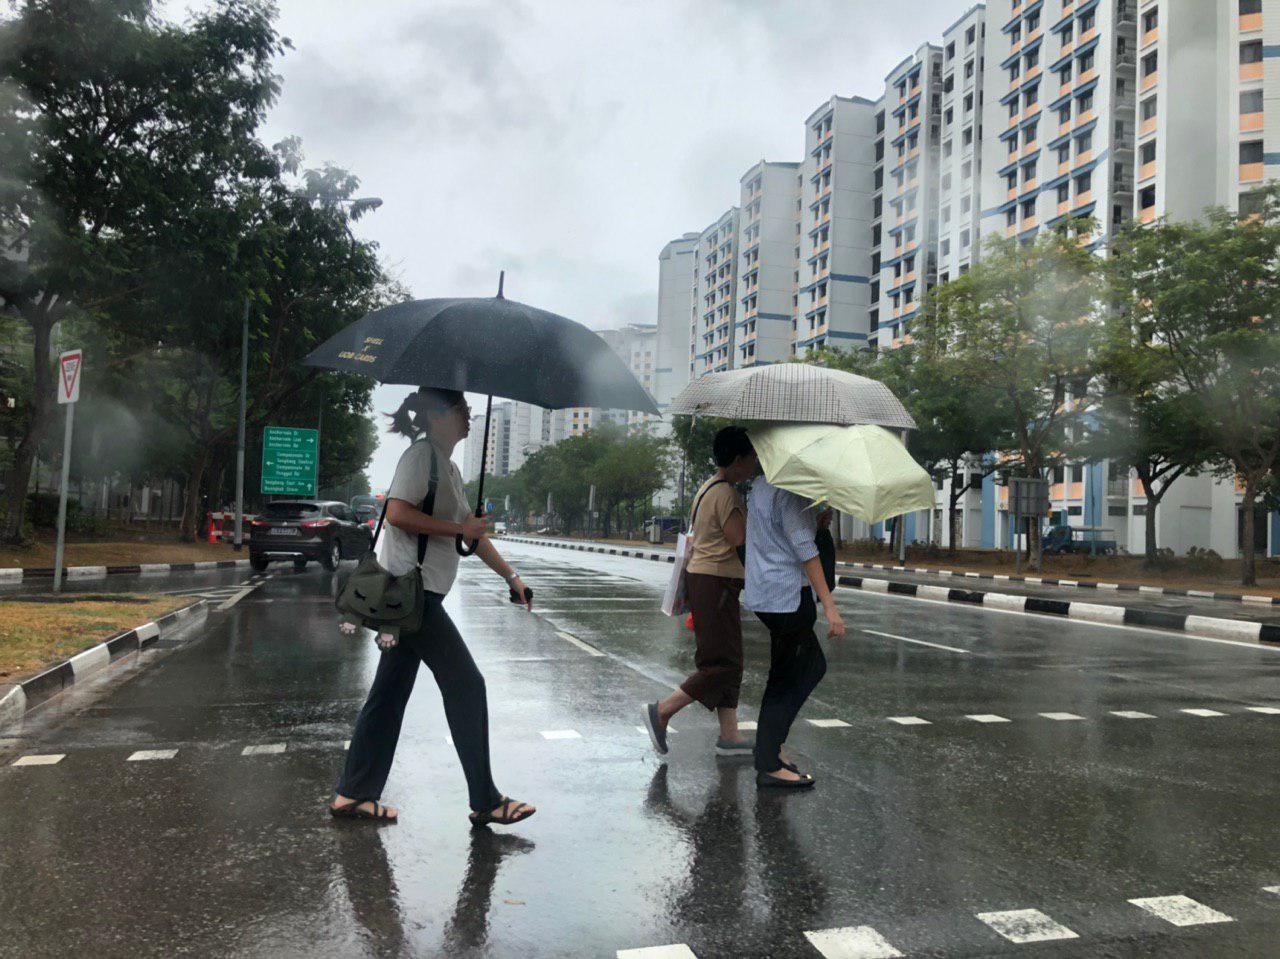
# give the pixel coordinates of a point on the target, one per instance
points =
(290, 458)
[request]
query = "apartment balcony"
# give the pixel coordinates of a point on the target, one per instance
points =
(1030, 223)
(913, 153)
(914, 123)
(1015, 46)
(1067, 47)
(1251, 122)
(1251, 172)
(1250, 22)
(1064, 208)
(1147, 127)
(1147, 216)
(1064, 128)
(1031, 74)
(1088, 36)
(1150, 37)
(1068, 86)
(1087, 77)
(1084, 199)
(1068, 6)
(1030, 185)
(1011, 230)
(909, 278)
(1088, 116)
(1250, 72)
(1034, 35)
(1083, 158)
(1013, 194)
(1015, 120)
(1147, 171)
(1149, 81)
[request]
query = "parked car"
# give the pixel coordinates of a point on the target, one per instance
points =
(304, 530)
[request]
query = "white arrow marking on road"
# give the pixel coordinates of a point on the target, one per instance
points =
(678, 951)
(852, 942)
(1131, 714)
(47, 759)
(1180, 910)
(1061, 717)
(1201, 712)
(143, 755)
(1026, 925)
(918, 642)
(909, 721)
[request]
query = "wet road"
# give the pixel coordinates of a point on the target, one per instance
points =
(972, 766)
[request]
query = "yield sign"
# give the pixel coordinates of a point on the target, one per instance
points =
(69, 364)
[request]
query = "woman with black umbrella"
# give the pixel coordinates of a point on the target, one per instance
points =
(437, 420)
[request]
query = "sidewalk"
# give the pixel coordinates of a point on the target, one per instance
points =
(1137, 606)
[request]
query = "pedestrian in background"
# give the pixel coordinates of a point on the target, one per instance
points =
(783, 576)
(437, 420)
(714, 577)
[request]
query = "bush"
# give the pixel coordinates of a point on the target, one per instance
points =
(1203, 561)
(42, 510)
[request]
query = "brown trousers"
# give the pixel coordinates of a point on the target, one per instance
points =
(717, 626)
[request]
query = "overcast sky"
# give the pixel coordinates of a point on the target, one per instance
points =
(566, 141)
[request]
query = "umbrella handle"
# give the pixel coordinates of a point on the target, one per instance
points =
(467, 550)
(458, 542)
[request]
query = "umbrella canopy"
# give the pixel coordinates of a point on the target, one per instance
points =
(794, 393)
(861, 470)
(486, 345)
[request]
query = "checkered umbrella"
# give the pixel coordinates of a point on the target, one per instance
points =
(794, 393)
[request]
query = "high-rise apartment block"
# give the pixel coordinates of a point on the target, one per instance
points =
(837, 181)
(768, 231)
(715, 291)
(675, 305)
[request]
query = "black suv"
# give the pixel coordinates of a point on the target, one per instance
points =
(302, 530)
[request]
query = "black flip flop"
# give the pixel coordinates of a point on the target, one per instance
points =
(510, 814)
(352, 810)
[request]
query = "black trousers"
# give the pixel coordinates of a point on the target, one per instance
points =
(796, 666)
(373, 742)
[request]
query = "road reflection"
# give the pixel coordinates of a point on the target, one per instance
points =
(468, 928)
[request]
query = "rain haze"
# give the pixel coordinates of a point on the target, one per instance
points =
(566, 141)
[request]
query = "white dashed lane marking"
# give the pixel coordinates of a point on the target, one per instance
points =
(987, 718)
(1026, 925)
(679, 951)
(145, 755)
(1201, 712)
(852, 942)
(269, 749)
(1131, 714)
(47, 759)
(918, 642)
(828, 723)
(1062, 717)
(561, 734)
(574, 640)
(1265, 710)
(1181, 910)
(909, 721)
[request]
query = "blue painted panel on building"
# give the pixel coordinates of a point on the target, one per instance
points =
(911, 527)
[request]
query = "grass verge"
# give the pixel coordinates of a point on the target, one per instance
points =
(37, 632)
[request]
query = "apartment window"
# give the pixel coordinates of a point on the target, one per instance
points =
(1084, 183)
(1064, 192)
(1251, 52)
(1251, 152)
(1011, 181)
(1033, 59)
(1119, 132)
(1148, 109)
(1150, 63)
(1084, 143)
(968, 70)
(946, 247)
(1028, 173)
(1121, 88)
(1147, 198)
(1252, 204)
(1028, 209)
(951, 50)
(1013, 145)
(1015, 71)
(1147, 153)
(1084, 103)
(968, 136)
(1087, 23)
(946, 150)
(1064, 114)
(946, 182)
(1029, 134)
(966, 204)
(948, 116)
(964, 242)
(1013, 109)
(1031, 98)
(966, 169)
(1033, 22)
(1248, 7)
(1085, 63)
(1067, 33)
(969, 36)
(968, 103)
(1150, 20)
(946, 214)
(1064, 75)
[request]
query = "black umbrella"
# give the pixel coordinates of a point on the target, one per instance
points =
(493, 346)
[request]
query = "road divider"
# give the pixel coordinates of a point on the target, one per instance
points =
(24, 574)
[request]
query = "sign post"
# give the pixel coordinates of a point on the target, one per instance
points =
(290, 461)
(70, 365)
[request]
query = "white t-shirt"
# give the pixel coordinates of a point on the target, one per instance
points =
(397, 550)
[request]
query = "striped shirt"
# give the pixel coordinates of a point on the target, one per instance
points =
(780, 532)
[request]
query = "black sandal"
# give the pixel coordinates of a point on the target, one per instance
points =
(352, 810)
(510, 813)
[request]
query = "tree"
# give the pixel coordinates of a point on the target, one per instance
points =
(112, 122)
(629, 469)
(1205, 297)
(1022, 325)
(958, 422)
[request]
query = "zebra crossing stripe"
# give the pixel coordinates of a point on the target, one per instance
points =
(1026, 925)
(987, 718)
(561, 734)
(1062, 717)
(1180, 910)
(268, 749)
(909, 721)
(852, 942)
(679, 951)
(828, 723)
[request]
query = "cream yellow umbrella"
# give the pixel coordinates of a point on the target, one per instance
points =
(864, 471)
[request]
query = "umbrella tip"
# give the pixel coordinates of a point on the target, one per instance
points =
(502, 275)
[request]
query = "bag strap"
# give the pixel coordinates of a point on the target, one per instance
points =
(698, 502)
(428, 507)
(429, 504)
